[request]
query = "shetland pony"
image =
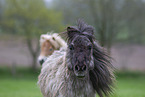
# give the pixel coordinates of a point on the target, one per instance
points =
(81, 71)
(49, 43)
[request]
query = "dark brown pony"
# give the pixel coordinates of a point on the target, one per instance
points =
(81, 71)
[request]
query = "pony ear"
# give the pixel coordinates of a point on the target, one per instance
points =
(71, 31)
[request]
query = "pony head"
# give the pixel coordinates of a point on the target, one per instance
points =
(49, 43)
(80, 49)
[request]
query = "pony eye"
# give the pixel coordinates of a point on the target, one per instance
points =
(53, 38)
(89, 47)
(50, 49)
(71, 47)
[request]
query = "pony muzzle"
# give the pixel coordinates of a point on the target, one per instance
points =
(80, 71)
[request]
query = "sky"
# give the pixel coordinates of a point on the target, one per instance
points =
(48, 1)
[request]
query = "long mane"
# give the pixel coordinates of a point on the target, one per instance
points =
(102, 75)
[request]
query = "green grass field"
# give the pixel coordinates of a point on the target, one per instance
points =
(24, 84)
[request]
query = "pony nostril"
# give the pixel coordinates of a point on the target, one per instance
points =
(77, 68)
(84, 68)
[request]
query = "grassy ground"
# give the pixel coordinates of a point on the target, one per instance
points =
(130, 84)
(24, 84)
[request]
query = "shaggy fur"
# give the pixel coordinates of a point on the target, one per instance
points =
(58, 77)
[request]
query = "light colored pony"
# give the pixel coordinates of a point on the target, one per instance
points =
(49, 43)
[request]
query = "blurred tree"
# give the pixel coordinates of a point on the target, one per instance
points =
(1, 13)
(106, 20)
(134, 20)
(103, 14)
(72, 10)
(31, 17)
(114, 20)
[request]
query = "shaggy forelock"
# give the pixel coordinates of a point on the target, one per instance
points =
(81, 29)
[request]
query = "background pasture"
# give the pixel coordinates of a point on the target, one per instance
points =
(119, 27)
